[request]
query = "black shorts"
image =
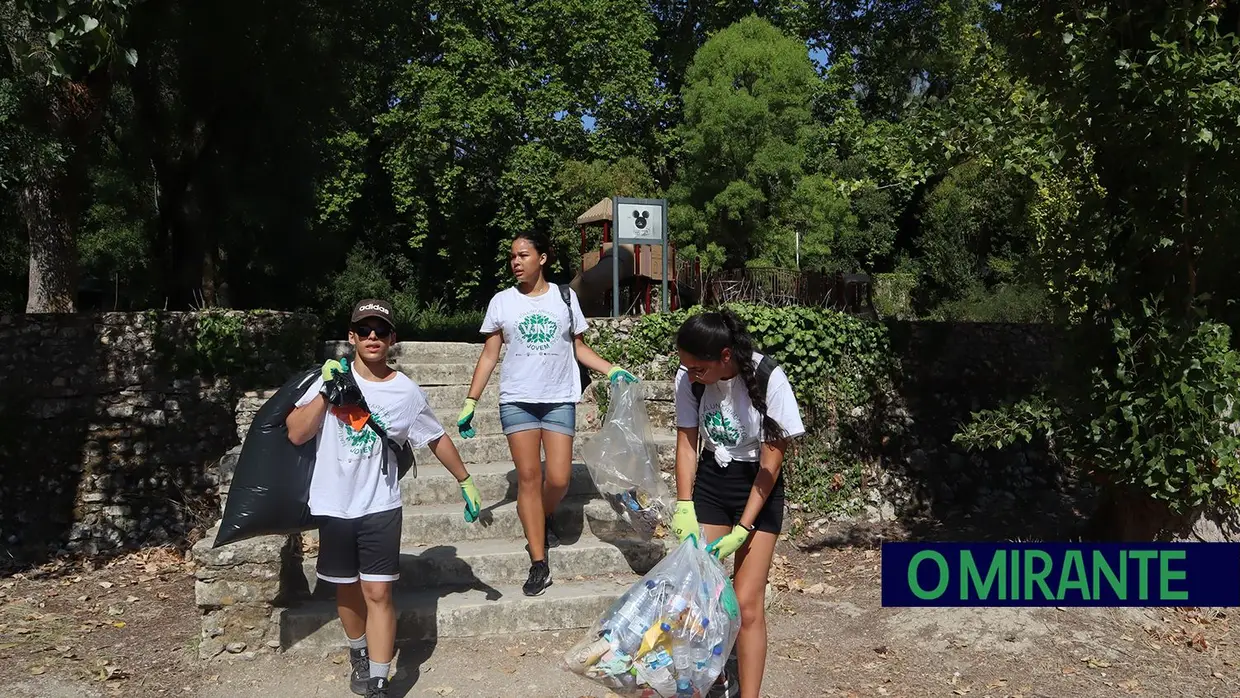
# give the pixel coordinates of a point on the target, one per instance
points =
(366, 548)
(720, 494)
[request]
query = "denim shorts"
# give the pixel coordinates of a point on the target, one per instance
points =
(560, 417)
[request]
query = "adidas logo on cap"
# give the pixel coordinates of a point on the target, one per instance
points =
(372, 306)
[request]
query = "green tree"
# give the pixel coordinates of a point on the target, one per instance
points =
(490, 109)
(1137, 194)
(974, 232)
(63, 58)
(747, 99)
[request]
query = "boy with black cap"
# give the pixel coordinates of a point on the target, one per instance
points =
(359, 503)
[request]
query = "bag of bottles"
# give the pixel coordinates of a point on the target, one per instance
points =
(668, 635)
(623, 461)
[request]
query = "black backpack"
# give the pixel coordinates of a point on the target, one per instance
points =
(572, 332)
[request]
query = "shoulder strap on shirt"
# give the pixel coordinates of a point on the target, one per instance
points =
(564, 291)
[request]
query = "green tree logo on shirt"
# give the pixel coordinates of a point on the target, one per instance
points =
(360, 442)
(538, 330)
(722, 428)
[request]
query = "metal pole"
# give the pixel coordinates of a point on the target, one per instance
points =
(663, 296)
(615, 262)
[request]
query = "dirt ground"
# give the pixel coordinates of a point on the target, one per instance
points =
(128, 628)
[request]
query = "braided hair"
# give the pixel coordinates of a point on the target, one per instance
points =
(706, 335)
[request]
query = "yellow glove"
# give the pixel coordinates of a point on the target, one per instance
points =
(464, 422)
(332, 367)
(469, 492)
(721, 548)
(684, 521)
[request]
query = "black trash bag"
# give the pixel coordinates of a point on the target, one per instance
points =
(270, 491)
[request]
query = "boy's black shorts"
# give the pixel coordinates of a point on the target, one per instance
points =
(366, 548)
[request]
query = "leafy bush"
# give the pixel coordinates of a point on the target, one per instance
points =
(893, 295)
(1018, 302)
(1158, 416)
(823, 480)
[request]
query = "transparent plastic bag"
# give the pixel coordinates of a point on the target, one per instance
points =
(624, 463)
(669, 635)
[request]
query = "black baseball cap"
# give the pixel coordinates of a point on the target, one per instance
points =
(373, 307)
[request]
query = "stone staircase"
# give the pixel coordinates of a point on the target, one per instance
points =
(460, 579)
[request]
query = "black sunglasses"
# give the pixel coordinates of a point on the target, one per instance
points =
(364, 330)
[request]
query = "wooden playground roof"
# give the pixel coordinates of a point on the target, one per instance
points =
(597, 213)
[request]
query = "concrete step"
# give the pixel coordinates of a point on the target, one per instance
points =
(444, 524)
(496, 562)
(493, 448)
(447, 400)
(475, 612)
(589, 419)
(486, 419)
(420, 352)
(429, 374)
(496, 482)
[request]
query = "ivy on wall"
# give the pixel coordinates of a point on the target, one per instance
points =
(833, 360)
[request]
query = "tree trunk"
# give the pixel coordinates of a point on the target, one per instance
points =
(52, 284)
(50, 203)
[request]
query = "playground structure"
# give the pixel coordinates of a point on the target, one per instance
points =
(640, 270)
(640, 274)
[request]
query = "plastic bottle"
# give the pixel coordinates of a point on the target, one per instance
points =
(717, 660)
(683, 662)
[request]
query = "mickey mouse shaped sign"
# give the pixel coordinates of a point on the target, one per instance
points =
(639, 220)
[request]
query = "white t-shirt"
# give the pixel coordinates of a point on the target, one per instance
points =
(348, 482)
(728, 422)
(539, 366)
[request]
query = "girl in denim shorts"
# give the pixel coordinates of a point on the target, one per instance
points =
(539, 387)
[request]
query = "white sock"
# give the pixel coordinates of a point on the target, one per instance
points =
(358, 644)
(378, 670)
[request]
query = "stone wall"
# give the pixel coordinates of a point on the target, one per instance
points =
(947, 371)
(110, 423)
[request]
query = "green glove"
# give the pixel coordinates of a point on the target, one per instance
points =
(464, 422)
(684, 521)
(617, 375)
(721, 548)
(469, 492)
(333, 367)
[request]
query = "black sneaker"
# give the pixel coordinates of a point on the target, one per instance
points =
(539, 579)
(725, 687)
(377, 688)
(359, 678)
(550, 540)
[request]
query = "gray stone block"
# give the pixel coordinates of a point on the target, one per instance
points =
(470, 613)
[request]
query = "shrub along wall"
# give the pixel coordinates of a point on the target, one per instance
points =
(108, 422)
(882, 401)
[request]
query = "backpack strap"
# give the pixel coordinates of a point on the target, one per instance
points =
(765, 368)
(564, 290)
